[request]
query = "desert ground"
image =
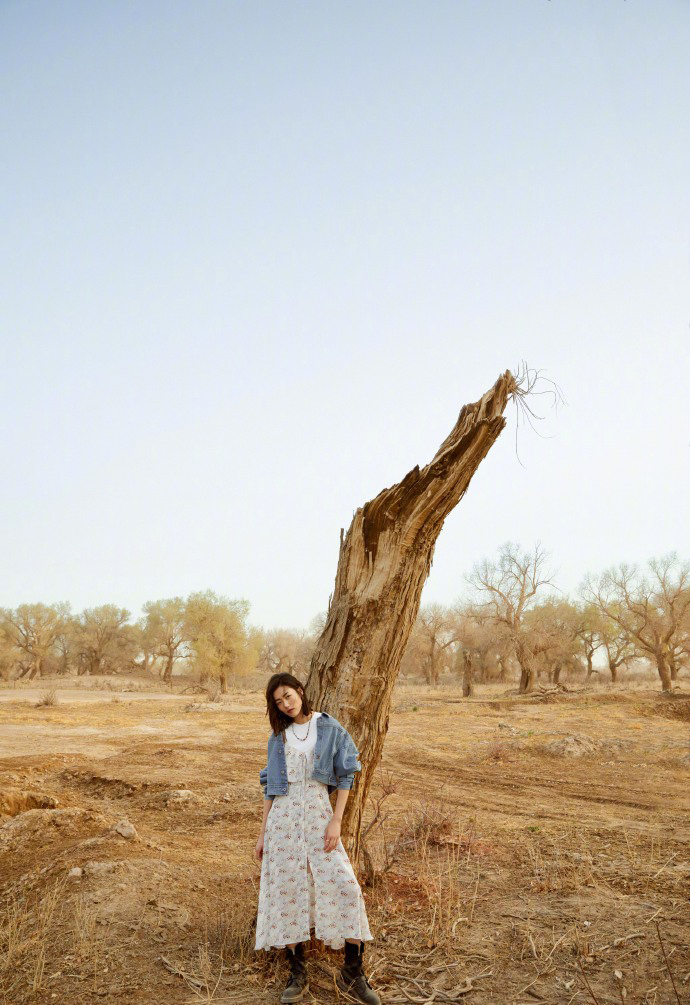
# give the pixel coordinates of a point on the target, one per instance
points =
(527, 849)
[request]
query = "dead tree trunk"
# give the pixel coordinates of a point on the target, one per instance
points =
(167, 673)
(502, 676)
(468, 675)
(384, 561)
(525, 659)
(664, 671)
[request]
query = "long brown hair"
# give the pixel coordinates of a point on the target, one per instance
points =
(279, 720)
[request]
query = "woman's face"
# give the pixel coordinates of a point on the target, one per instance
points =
(288, 700)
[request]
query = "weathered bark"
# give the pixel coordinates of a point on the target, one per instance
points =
(432, 671)
(613, 670)
(664, 671)
(384, 561)
(167, 672)
(503, 670)
(527, 669)
(468, 675)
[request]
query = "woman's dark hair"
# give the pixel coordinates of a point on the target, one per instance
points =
(279, 720)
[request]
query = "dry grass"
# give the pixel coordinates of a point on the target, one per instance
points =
(499, 874)
(49, 698)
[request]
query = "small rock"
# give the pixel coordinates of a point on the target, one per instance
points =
(100, 868)
(577, 745)
(75, 873)
(180, 797)
(126, 830)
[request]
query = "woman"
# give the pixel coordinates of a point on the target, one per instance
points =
(307, 880)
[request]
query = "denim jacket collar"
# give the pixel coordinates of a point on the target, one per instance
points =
(335, 759)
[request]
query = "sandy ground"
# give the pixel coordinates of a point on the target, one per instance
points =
(69, 695)
(541, 875)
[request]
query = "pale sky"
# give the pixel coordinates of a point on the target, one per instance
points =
(254, 258)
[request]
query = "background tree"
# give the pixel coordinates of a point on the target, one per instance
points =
(589, 633)
(164, 632)
(551, 629)
(223, 646)
(66, 648)
(284, 649)
(618, 645)
(103, 641)
(32, 629)
(317, 625)
(147, 661)
(9, 653)
(650, 608)
(435, 635)
(477, 649)
(509, 586)
(679, 657)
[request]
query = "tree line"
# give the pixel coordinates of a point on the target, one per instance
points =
(512, 623)
(515, 622)
(204, 635)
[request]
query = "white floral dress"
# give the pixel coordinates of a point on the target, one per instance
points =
(302, 886)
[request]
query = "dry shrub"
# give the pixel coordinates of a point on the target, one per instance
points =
(556, 866)
(48, 698)
(83, 927)
(229, 927)
(502, 747)
(27, 930)
(427, 824)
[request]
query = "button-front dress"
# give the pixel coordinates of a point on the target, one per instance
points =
(303, 887)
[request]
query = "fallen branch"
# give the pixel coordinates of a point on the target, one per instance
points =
(587, 984)
(668, 965)
(619, 942)
(193, 981)
(437, 994)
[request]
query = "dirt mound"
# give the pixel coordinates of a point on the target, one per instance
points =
(675, 707)
(98, 784)
(15, 801)
(581, 745)
(668, 706)
(36, 822)
(179, 798)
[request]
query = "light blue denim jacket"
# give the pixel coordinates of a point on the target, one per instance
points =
(335, 759)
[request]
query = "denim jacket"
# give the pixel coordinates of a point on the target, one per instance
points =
(335, 759)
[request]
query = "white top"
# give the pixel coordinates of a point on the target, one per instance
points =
(301, 730)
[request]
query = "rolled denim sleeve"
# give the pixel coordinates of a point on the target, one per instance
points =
(346, 761)
(263, 781)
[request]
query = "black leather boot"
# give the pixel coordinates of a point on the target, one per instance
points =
(351, 978)
(297, 985)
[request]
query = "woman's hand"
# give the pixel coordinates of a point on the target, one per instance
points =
(259, 850)
(332, 834)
